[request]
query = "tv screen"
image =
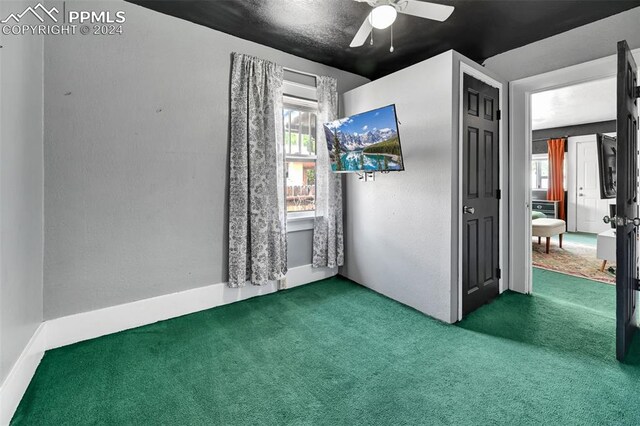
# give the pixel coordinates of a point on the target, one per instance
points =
(366, 142)
(607, 166)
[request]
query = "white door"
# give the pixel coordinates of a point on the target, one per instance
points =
(590, 209)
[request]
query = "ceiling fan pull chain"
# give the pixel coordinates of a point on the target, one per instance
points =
(391, 48)
(371, 41)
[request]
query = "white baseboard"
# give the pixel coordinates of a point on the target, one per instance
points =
(19, 377)
(307, 274)
(88, 325)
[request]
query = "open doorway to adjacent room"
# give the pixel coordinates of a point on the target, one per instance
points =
(604, 310)
(568, 201)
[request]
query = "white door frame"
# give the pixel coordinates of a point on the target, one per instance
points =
(469, 70)
(520, 135)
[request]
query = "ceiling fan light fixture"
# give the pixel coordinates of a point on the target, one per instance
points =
(383, 16)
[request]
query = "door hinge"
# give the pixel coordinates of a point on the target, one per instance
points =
(498, 194)
(499, 115)
(498, 273)
(636, 284)
(637, 92)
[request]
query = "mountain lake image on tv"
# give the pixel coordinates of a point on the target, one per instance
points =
(366, 142)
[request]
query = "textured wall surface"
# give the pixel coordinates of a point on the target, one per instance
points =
(20, 190)
(136, 159)
(398, 228)
(582, 44)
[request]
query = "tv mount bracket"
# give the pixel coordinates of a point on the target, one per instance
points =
(370, 176)
(367, 176)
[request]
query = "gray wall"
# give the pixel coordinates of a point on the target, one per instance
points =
(582, 44)
(300, 248)
(20, 191)
(402, 230)
(398, 228)
(136, 160)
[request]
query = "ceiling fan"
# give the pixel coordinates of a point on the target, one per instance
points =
(384, 14)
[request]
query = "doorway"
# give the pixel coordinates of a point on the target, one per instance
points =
(567, 208)
(480, 193)
(521, 130)
(521, 203)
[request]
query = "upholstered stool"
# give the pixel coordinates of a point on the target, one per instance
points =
(548, 228)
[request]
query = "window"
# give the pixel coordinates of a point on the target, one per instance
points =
(300, 154)
(540, 172)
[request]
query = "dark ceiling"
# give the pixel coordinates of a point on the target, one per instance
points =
(321, 30)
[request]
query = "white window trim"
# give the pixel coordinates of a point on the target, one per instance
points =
(298, 90)
(300, 221)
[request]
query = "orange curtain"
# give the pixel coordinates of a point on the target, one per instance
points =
(556, 173)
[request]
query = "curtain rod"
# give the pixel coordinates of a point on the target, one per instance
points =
(301, 72)
(546, 139)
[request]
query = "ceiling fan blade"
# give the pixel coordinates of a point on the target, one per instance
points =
(423, 9)
(362, 34)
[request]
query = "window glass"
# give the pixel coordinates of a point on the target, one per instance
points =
(301, 186)
(300, 154)
(540, 172)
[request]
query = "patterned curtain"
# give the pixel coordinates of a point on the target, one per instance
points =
(257, 216)
(328, 245)
(556, 173)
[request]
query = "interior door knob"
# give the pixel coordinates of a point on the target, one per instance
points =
(468, 210)
(622, 221)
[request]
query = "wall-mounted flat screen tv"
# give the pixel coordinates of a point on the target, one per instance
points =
(365, 142)
(607, 166)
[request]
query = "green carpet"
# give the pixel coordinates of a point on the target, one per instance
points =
(335, 353)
